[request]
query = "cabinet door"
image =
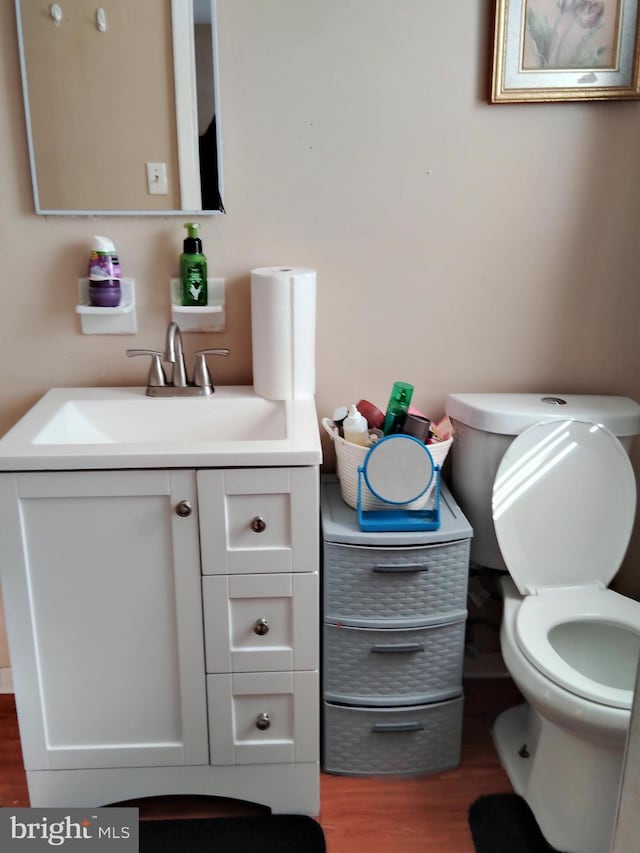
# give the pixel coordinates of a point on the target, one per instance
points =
(261, 623)
(259, 521)
(263, 718)
(102, 588)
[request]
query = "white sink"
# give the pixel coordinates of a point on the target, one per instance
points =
(164, 420)
(122, 427)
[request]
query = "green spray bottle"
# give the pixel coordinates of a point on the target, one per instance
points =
(193, 269)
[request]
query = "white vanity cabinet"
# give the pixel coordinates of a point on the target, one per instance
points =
(163, 629)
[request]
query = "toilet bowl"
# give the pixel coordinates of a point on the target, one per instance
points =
(563, 507)
(586, 643)
(561, 752)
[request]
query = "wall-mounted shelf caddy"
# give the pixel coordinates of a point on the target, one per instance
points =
(205, 318)
(108, 321)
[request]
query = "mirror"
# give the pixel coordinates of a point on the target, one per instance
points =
(121, 106)
(398, 469)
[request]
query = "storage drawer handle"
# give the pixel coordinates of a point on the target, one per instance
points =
(258, 524)
(397, 648)
(397, 568)
(391, 728)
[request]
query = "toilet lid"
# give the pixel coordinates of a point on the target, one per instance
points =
(564, 501)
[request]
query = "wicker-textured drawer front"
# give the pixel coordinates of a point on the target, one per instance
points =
(401, 741)
(364, 585)
(393, 667)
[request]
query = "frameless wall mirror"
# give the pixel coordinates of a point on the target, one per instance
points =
(121, 104)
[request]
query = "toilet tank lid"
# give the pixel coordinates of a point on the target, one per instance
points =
(510, 414)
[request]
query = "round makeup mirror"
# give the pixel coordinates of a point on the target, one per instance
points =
(398, 469)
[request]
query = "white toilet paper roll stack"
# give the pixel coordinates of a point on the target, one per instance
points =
(283, 327)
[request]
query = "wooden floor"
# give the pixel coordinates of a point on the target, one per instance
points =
(427, 814)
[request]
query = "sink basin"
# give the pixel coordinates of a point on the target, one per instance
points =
(82, 428)
(164, 420)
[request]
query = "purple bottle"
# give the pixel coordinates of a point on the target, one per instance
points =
(104, 274)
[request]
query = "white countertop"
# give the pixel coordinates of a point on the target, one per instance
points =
(173, 432)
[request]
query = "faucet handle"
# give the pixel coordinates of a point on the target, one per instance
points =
(201, 375)
(215, 351)
(156, 373)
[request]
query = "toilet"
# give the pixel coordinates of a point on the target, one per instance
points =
(549, 490)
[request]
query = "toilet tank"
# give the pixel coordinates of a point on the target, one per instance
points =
(486, 424)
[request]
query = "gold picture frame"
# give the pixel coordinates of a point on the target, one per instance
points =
(565, 50)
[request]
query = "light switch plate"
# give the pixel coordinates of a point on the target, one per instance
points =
(157, 179)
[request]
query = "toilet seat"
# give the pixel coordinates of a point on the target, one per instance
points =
(564, 501)
(586, 608)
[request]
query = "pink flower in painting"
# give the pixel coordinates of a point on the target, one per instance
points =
(591, 14)
(574, 38)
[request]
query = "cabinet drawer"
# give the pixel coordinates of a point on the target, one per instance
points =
(367, 585)
(258, 521)
(260, 623)
(393, 667)
(263, 718)
(401, 741)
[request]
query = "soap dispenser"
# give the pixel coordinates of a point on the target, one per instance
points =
(193, 269)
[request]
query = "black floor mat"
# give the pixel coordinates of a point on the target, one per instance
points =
(504, 823)
(251, 834)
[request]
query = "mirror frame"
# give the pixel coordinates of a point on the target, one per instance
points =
(186, 120)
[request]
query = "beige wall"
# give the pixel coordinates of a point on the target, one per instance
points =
(458, 246)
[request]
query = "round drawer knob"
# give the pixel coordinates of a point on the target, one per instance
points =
(258, 524)
(263, 722)
(261, 627)
(183, 509)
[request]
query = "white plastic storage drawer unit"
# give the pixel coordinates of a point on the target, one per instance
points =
(394, 611)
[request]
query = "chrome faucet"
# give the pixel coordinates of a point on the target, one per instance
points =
(174, 355)
(178, 385)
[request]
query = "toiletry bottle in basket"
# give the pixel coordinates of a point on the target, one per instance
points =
(355, 427)
(398, 407)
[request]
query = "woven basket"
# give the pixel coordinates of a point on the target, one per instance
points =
(350, 456)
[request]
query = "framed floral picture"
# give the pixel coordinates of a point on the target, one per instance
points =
(565, 50)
